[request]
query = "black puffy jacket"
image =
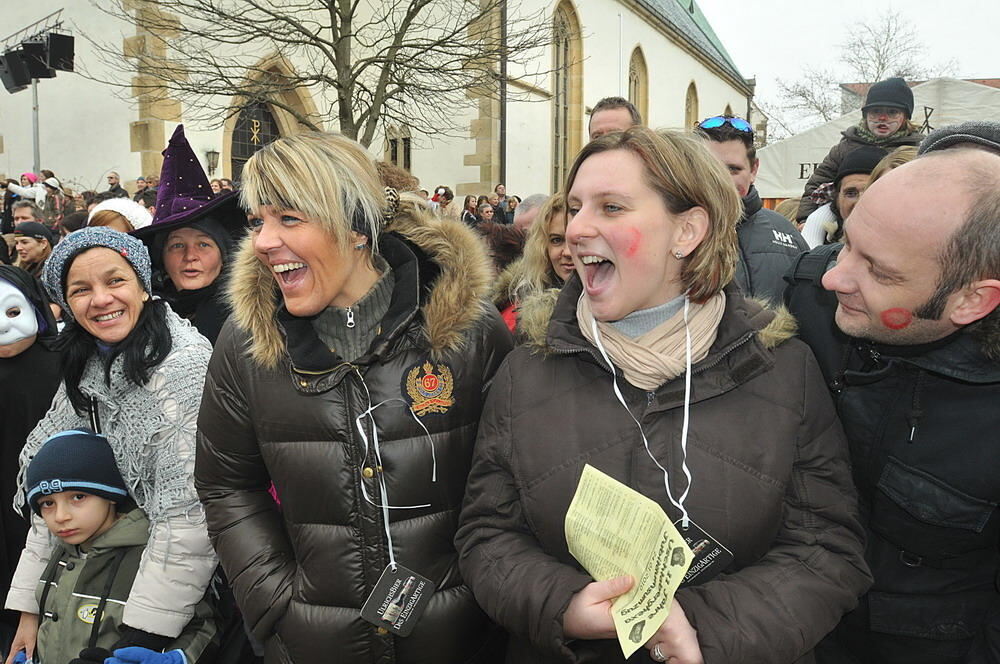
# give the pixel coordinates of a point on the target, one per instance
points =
(924, 430)
(280, 407)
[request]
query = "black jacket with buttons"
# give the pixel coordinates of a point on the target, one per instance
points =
(923, 424)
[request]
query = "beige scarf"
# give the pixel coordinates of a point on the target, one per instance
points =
(651, 359)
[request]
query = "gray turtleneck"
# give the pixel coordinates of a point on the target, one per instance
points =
(351, 343)
(642, 321)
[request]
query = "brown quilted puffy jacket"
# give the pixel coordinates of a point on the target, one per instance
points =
(280, 407)
(770, 481)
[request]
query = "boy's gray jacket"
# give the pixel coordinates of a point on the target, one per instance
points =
(75, 582)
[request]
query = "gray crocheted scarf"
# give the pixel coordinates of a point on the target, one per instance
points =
(151, 428)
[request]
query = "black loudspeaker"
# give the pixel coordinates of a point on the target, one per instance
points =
(36, 57)
(60, 51)
(14, 71)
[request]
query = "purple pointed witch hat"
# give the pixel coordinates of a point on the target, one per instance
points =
(184, 195)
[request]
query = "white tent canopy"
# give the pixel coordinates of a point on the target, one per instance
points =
(785, 166)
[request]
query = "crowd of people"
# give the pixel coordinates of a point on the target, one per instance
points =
(326, 415)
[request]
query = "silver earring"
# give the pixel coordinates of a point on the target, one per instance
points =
(678, 255)
(361, 246)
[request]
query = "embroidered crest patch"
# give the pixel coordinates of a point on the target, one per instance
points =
(430, 388)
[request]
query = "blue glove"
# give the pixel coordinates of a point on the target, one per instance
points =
(137, 655)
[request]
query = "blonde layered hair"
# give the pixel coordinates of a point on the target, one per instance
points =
(680, 168)
(328, 177)
(536, 273)
(894, 159)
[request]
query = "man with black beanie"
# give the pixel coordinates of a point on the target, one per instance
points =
(825, 224)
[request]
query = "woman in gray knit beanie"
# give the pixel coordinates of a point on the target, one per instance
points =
(132, 371)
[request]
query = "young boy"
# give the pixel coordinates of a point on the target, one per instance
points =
(75, 487)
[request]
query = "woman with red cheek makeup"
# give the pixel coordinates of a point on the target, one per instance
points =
(656, 371)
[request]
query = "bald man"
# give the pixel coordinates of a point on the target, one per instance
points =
(906, 327)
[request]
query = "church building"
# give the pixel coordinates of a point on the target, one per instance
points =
(660, 54)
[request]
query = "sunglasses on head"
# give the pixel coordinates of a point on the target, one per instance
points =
(739, 124)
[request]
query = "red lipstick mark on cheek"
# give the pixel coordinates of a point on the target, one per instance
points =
(634, 242)
(897, 318)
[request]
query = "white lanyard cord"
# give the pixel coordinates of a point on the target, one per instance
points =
(679, 504)
(385, 506)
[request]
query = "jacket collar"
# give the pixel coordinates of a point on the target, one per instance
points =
(308, 353)
(751, 203)
(959, 356)
(742, 350)
(131, 529)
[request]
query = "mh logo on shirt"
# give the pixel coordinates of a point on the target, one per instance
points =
(784, 239)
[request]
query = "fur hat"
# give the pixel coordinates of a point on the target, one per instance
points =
(136, 214)
(893, 93)
(57, 265)
(77, 459)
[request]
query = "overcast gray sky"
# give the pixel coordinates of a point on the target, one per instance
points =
(769, 39)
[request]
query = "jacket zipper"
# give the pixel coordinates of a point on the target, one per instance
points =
(356, 461)
(734, 346)
(350, 317)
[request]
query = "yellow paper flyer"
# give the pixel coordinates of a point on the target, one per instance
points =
(614, 530)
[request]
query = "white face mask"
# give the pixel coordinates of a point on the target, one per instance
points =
(17, 316)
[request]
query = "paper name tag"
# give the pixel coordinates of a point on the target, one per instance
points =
(710, 557)
(399, 599)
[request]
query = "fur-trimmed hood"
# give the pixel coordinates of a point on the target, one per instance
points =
(773, 325)
(505, 281)
(452, 300)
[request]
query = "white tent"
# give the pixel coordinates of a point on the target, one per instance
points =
(786, 165)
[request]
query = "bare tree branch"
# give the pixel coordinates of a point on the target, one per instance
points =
(815, 94)
(401, 62)
(888, 47)
(871, 52)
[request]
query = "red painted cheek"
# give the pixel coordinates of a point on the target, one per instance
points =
(897, 318)
(635, 239)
